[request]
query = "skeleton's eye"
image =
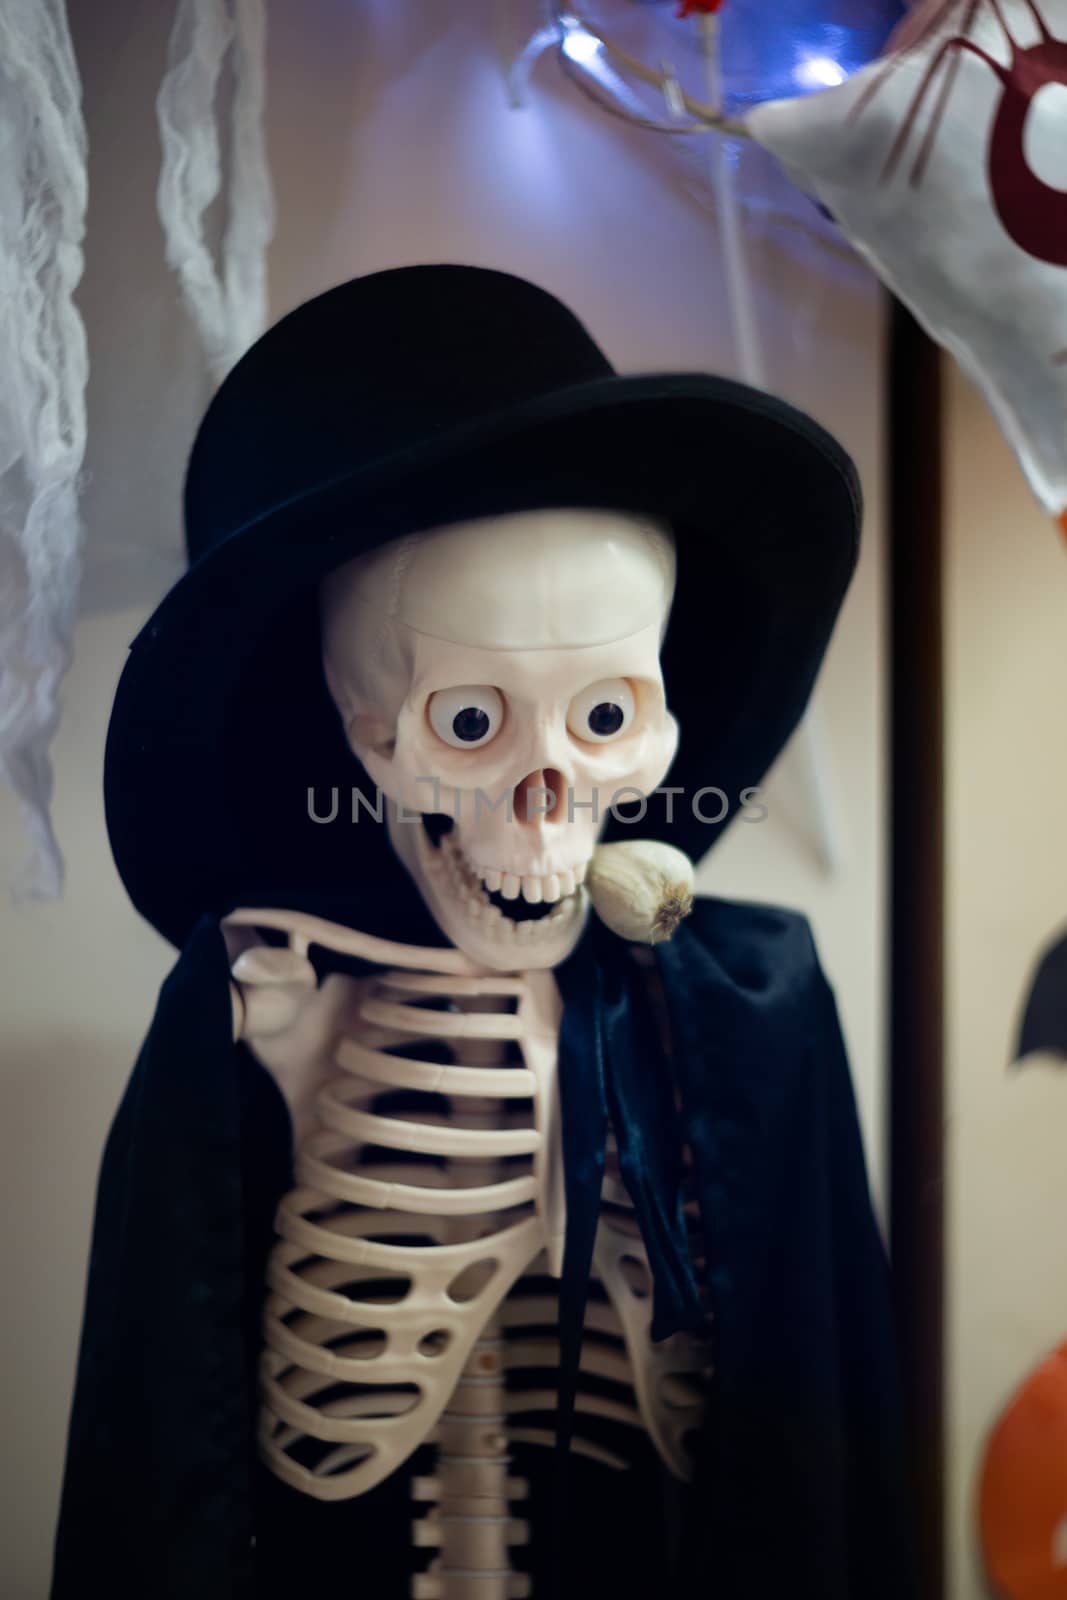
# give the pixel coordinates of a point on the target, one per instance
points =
(602, 711)
(467, 716)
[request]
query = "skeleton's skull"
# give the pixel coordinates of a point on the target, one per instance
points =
(505, 674)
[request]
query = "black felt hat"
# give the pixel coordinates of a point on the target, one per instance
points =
(409, 399)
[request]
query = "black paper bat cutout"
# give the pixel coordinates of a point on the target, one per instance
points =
(1044, 1024)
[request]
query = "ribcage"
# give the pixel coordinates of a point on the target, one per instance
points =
(430, 1216)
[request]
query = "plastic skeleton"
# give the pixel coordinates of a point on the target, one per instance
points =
(506, 674)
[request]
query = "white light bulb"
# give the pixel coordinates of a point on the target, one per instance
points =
(819, 72)
(581, 46)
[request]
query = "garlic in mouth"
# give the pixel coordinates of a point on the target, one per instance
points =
(641, 888)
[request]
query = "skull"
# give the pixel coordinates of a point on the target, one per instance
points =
(504, 674)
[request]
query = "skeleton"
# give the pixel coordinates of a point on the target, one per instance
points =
(504, 675)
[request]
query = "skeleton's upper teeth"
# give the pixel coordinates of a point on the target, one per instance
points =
(531, 891)
(509, 886)
(566, 881)
(550, 887)
(493, 879)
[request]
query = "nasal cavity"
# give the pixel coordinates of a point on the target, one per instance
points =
(532, 802)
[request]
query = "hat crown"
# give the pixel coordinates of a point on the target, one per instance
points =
(376, 366)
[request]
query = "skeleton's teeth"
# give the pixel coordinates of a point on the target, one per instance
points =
(472, 885)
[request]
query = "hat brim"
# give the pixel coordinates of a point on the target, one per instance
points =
(221, 722)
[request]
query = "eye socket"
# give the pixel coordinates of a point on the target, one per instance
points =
(602, 712)
(467, 717)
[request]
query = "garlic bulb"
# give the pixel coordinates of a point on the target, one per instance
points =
(641, 888)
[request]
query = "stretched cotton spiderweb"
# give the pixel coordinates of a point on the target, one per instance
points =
(44, 363)
(228, 302)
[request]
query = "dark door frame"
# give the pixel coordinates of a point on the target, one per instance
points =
(916, 879)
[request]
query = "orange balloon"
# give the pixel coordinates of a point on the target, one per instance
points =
(1023, 1490)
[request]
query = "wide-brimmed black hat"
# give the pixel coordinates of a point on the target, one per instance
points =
(410, 399)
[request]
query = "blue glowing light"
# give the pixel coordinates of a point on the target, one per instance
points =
(801, 50)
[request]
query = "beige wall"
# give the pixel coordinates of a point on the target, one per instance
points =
(1006, 763)
(390, 143)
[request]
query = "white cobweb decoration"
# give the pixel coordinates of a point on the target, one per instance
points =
(228, 304)
(44, 367)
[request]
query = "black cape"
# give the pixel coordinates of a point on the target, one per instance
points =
(799, 1488)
